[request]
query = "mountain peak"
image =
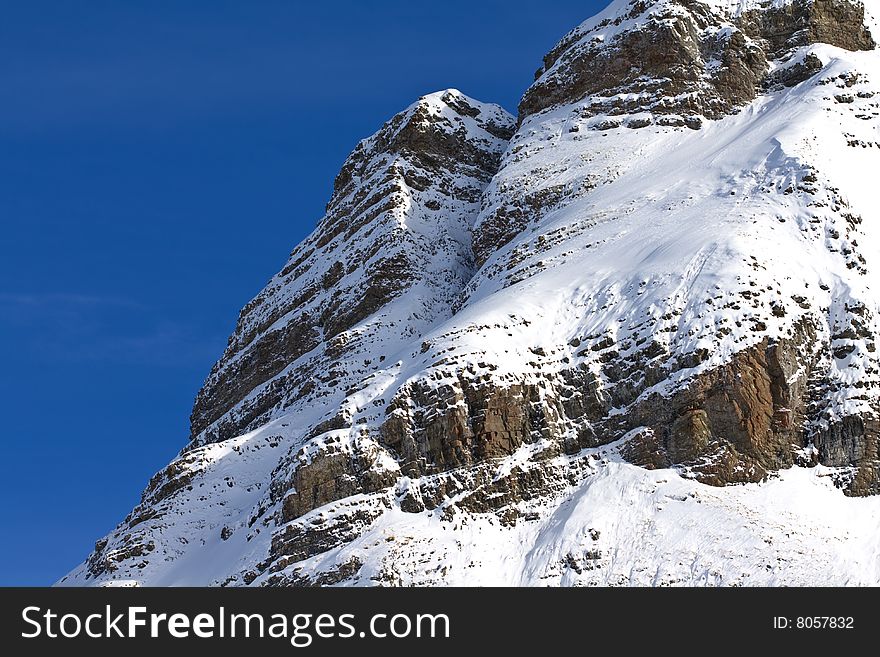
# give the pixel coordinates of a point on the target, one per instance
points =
(688, 57)
(397, 223)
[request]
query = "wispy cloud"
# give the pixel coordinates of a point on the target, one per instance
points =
(56, 299)
(73, 327)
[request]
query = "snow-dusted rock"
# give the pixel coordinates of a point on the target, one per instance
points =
(383, 264)
(522, 362)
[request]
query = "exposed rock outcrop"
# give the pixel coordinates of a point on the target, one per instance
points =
(672, 57)
(683, 57)
(799, 23)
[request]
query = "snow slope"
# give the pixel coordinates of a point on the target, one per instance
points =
(621, 526)
(675, 224)
(625, 526)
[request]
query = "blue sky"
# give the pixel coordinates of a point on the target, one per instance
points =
(158, 162)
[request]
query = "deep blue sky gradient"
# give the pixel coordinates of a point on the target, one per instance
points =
(158, 162)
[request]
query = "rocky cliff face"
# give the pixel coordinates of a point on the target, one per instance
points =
(500, 338)
(685, 59)
(385, 262)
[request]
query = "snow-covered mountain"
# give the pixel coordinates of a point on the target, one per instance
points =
(627, 338)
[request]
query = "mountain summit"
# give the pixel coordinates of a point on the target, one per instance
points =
(629, 337)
